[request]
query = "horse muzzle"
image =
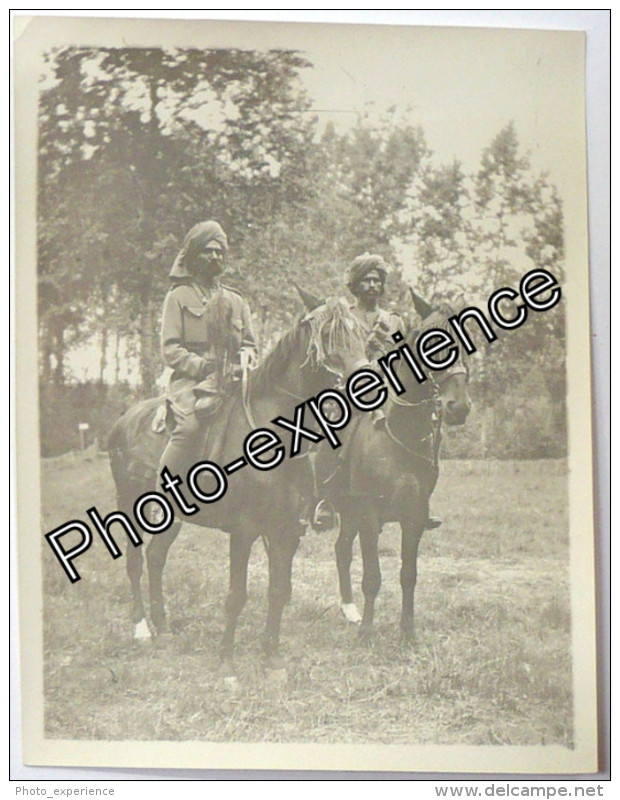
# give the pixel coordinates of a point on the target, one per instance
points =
(455, 413)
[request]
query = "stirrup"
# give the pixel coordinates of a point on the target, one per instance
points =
(156, 516)
(324, 517)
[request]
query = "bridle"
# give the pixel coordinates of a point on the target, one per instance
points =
(457, 369)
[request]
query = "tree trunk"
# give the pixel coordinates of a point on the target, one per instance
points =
(46, 351)
(117, 363)
(104, 346)
(148, 360)
(59, 356)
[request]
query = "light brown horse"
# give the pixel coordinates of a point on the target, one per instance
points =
(322, 347)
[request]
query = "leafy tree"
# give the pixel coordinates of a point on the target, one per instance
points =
(518, 227)
(440, 230)
(165, 138)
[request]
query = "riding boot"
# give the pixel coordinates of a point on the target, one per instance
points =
(182, 450)
(319, 513)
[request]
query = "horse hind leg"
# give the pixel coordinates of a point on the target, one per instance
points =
(135, 563)
(131, 481)
(371, 580)
(127, 492)
(412, 531)
(344, 556)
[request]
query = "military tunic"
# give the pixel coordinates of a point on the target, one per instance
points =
(379, 326)
(187, 347)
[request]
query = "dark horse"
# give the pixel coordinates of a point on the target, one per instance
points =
(323, 346)
(388, 473)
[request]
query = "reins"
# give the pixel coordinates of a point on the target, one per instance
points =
(245, 396)
(434, 399)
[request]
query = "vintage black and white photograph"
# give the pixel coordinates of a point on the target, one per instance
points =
(304, 430)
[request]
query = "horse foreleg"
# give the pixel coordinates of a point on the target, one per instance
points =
(126, 493)
(135, 563)
(240, 547)
(280, 552)
(412, 531)
(156, 554)
(371, 580)
(344, 556)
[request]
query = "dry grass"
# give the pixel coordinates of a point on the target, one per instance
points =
(491, 664)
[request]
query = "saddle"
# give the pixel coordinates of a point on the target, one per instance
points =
(209, 410)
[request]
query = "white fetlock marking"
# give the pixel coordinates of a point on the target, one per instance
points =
(276, 677)
(142, 630)
(350, 613)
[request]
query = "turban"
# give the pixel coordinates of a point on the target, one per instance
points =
(362, 265)
(196, 240)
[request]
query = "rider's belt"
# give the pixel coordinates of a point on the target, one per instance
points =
(200, 348)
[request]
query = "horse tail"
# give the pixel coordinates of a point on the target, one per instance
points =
(118, 455)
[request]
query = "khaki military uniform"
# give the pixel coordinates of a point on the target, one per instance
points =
(379, 326)
(187, 345)
(203, 332)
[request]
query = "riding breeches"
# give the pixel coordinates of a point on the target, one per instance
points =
(183, 448)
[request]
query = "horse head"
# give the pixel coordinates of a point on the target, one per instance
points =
(453, 381)
(454, 395)
(325, 345)
(336, 344)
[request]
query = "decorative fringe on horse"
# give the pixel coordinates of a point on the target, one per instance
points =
(332, 328)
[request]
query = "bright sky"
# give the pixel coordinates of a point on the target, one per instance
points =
(462, 86)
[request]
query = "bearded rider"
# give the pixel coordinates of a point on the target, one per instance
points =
(197, 377)
(365, 279)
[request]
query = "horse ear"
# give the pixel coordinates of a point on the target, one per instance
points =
(421, 306)
(311, 301)
(460, 303)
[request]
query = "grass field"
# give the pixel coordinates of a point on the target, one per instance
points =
(491, 666)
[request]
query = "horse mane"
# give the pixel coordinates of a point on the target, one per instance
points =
(334, 322)
(272, 365)
(328, 328)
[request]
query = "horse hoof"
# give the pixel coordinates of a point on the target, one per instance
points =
(364, 634)
(276, 677)
(350, 613)
(164, 638)
(231, 683)
(142, 632)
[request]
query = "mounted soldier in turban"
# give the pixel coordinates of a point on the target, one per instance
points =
(206, 336)
(365, 279)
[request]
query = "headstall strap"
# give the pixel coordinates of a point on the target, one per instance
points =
(391, 435)
(406, 404)
(457, 369)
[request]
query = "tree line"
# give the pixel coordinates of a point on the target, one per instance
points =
(136, 145)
